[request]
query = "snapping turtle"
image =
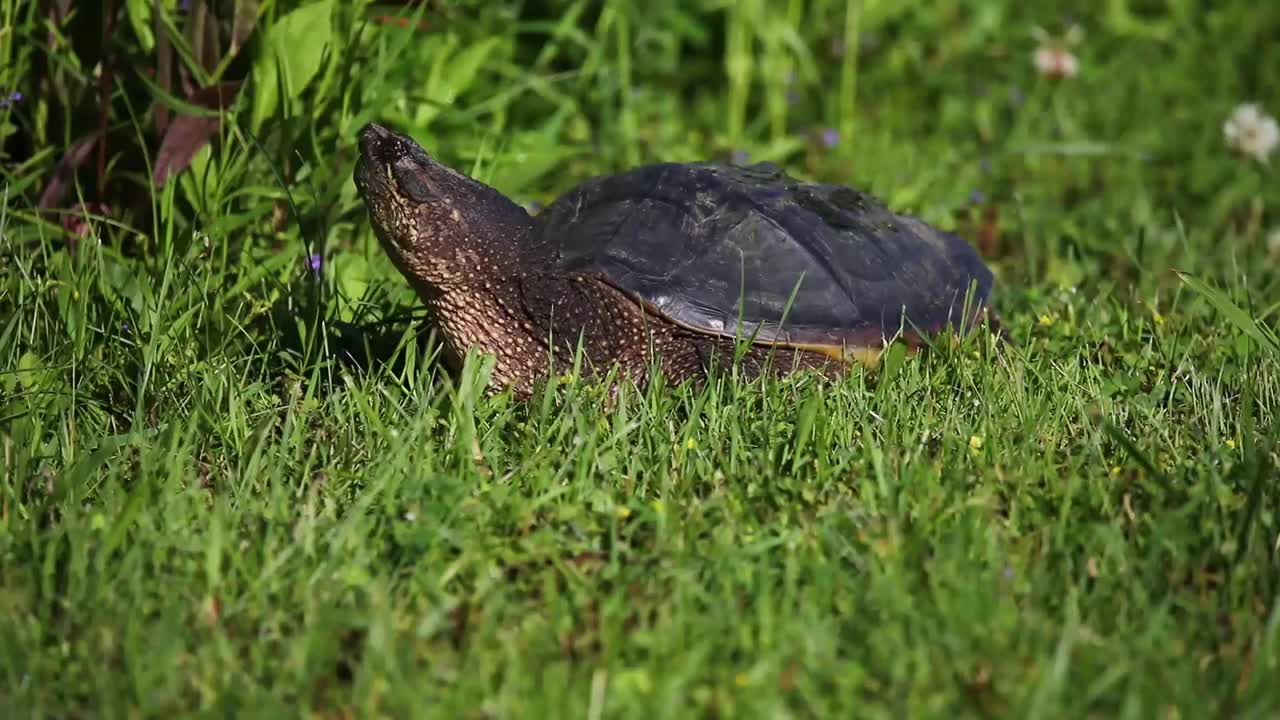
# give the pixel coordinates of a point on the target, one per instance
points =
(673, 262)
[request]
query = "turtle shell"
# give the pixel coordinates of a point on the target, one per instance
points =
(752, 252)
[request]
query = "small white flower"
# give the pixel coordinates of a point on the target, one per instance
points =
(1250, 131)
(1053, 58)
(1273, 243)
(1056, 62)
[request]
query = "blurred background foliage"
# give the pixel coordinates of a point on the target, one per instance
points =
(227, 127)
(926, 103)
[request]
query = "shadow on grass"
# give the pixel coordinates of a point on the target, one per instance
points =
(311, 342)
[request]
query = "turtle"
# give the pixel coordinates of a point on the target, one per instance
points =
(672, 266)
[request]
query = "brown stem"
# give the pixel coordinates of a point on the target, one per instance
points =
(104, 91)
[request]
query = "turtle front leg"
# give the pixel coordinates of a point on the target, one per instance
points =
(566, 312)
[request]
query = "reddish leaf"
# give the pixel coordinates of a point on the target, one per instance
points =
(383, 19)
(56, 191)
(188, 134)
(989, 232)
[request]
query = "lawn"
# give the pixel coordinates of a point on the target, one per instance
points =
(236, 481)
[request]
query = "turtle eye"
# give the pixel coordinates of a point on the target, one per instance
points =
(409, 177)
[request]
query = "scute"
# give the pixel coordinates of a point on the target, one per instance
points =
(751, 251)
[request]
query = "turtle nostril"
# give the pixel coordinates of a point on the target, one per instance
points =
(372, 138)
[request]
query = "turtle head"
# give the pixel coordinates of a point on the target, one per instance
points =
(441, 228)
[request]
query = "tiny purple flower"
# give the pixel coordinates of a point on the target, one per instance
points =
(740, 157)
(124, 327)
(830, 137)
(14, 98)
(316, 261)
(977, 197)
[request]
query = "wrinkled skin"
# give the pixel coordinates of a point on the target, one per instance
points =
(472, 257)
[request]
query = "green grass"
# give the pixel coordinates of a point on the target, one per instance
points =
(230, 491)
